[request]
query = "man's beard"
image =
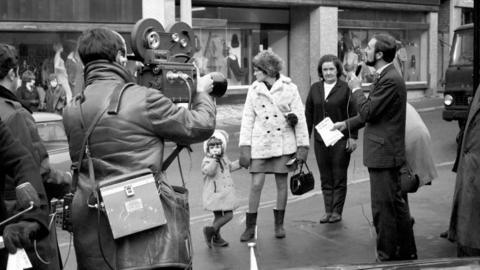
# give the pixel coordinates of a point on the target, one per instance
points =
(371, 63)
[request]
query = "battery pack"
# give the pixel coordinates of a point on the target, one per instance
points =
(132, 203)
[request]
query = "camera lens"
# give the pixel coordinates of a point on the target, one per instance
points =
(153, 40)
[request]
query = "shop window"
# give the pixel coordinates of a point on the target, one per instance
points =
(224, 51)
(353, 42)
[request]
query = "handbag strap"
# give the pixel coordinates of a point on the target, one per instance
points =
(306, 165)
(76, 165)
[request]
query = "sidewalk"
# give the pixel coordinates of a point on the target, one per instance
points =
(311, 244)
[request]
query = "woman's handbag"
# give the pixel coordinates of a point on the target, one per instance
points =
(409, 181)
(302, 182)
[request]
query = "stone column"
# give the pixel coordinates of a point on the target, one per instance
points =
(432, 19)
(161, 10)
(323, 36)
(313, 33)
(186, 11)
(299, 53)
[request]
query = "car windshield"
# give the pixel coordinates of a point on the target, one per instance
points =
(462, 49)
(53, 135)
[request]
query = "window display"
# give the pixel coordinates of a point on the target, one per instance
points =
(352, 44)
(223, 51)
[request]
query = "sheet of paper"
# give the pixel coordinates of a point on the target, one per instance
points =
(329, 137)
(18, 261)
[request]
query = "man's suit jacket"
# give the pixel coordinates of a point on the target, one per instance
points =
(383, 113)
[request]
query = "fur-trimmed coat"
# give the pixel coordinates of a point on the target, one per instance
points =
(264, 126)
(218, 188)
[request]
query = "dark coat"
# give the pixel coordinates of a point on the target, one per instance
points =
(465, 217)
(338, 106)
(129, 141)
(55, 99)
(30, 99)
(20, 121)
(383, 113)
(17, 163)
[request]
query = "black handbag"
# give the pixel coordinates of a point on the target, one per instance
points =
(409, 181)
(302, 182)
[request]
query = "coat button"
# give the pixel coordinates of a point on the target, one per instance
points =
(268, 131)
(275, 115)
(263, 106)
(266, 117)
(278, 129)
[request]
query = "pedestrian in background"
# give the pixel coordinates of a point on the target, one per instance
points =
(384, 113)
(465, 220)
(27, 93)
(272, 132)
(331, 97)
(61, 70)
(55, 97)
(218, 188)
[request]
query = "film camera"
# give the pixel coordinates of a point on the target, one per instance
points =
(167, 60)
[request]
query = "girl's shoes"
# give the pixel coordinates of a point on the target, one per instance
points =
(218, 241)
(209, 233)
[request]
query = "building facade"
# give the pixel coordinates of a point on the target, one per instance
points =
(230, 32)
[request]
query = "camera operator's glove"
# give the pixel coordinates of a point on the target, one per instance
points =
(245, 156)
(20, 235)
(301, 155)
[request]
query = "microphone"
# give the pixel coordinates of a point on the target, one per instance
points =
(26, 195)
(27, 198)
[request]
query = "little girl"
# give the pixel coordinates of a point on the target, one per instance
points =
(218, 190)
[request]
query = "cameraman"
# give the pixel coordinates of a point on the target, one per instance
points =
(131, 140)
(16, 162)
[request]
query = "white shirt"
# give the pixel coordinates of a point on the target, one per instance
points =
(328, 88)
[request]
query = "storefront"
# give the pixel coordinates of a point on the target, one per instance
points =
(230, 33)
(230, 37)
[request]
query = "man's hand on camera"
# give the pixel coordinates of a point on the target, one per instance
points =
(205, 84)
(19, 235)
(341, 126)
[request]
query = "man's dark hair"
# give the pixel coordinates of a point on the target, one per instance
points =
(330, 58)
(8, 59)
(386, 44)
(99, 43)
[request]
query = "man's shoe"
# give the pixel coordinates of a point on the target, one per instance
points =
(335, 218)
(444, 234)
(325, 218)
(208, 232)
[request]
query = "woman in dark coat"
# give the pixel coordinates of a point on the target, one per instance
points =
(330, 97)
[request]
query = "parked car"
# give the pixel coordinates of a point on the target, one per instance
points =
(51, 131)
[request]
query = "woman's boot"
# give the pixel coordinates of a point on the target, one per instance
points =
(279, 215)
(249, 232)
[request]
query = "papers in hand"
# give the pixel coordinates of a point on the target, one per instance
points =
(324, 128)
(18, 261)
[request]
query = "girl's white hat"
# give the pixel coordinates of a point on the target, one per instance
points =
(219, 134)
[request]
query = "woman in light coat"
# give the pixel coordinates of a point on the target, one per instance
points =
(273, 131)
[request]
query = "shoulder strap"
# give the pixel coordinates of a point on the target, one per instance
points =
(115, 98)
(116, 95)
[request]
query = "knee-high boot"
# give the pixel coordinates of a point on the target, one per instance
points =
(251, 222)
(279, 216)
